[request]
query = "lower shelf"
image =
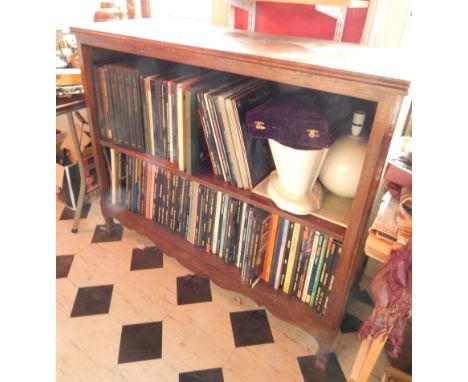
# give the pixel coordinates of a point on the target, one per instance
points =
(285, 307)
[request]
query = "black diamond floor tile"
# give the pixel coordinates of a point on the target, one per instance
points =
(365, 297)
(101, 235)
(69, 213)
(148, 258)
(62, 265)
(311, 373)
(192, 289)
(208, 375)
(350, 324)
(140, 342)
(251, 328)
(92, 300)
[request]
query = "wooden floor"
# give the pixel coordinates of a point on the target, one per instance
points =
(196, 328)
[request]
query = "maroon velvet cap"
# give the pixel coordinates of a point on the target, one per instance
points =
(292, 119)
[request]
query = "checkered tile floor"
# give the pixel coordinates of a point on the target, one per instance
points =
(127, 312)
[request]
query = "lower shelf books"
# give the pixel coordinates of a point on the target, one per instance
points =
(289, 257)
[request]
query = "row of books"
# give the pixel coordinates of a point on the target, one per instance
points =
(186, 115)
(288, 256)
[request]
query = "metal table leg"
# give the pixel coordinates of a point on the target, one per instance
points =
(76, 146)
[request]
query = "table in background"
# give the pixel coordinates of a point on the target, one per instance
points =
(67, 105)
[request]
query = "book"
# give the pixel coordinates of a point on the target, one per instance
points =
(281, 252)
(276, 248)
(222, 229)
(273, 227)
(323, 283)
(261, 238)
(293, 258)
(241, 234)
(286, 254)
(219, 198)
(303, 262)
(326, 243)
(323, 308)
(313, 258)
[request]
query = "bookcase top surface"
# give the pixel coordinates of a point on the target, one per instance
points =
(385, 67)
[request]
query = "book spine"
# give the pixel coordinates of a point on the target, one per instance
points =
(214, 240)
(292, 262)
(287, 253)
(313, 258)
(303, 262)
(281, 253)
(318, 271)
(270, 247)
(324, 276)
(276, 251)
(331, 278)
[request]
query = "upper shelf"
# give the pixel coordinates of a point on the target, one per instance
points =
(324, 65)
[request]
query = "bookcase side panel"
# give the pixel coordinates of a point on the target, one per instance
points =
(379, 142)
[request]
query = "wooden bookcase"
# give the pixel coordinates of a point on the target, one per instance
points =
(344, 69)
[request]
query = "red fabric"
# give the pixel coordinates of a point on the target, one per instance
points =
(391, 288)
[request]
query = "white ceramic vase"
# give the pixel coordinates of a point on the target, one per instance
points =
(342, 168)
(291, 186)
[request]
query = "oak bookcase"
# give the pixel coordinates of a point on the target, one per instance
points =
(350, 70)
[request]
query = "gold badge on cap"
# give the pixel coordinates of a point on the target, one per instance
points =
(313, 133)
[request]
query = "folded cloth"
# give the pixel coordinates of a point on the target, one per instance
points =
(391, 288)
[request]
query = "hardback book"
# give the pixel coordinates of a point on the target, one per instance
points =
(230, 245)
(326, 244)
(217, 218)
(293, 258)
(280, 254)
(303, 263)
(276, 250)
(222, 229)
(319, 299)
(287, 252)
(241, 235)
(307, 290)
(323, 308)
(273, 228)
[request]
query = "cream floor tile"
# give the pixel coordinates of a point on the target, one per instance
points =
(65, 297)
(247, 365)
(93, 265)
(212, 319)
(68, 242)
(188, 347)
(87, 348)
(137, 298)
(144, 371)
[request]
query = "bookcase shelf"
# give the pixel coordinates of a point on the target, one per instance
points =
(207, 178)
(372, 76)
